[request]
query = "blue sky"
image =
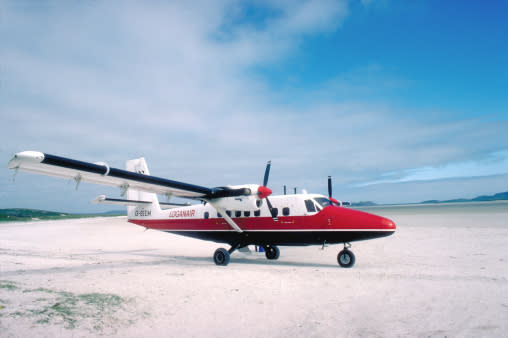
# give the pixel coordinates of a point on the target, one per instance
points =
(400, 101)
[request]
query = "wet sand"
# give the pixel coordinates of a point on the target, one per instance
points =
(440, 274)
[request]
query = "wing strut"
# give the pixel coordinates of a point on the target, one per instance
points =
(227, 218)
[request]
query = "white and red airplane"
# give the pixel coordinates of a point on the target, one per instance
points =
(237, 215)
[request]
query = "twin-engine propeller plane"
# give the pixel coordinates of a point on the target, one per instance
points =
(237, 215)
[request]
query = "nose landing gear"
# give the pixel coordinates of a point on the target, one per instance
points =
(346, 258)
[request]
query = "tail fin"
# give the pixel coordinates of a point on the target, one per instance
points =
(153, 210)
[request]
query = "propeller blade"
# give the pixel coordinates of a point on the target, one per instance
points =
(267, 173)
(263, 191)
(333, 200)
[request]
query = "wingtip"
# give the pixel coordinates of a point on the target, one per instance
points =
(24, 156)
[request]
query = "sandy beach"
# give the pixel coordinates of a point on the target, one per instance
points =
(443, 273)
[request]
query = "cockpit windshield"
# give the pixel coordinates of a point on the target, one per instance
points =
(323, 202)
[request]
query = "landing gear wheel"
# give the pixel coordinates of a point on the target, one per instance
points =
(272, 252)
(346, 258)
(221, 257)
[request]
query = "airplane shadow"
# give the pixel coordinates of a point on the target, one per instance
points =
(260, 261)
(156, 259)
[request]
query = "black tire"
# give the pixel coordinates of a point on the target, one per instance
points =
(272, 252)
(346, 258)
(221, 257)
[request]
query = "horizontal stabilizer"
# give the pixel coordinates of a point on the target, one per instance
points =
(114, 201)
(102, 199)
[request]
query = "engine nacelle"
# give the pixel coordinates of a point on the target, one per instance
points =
(240, 203)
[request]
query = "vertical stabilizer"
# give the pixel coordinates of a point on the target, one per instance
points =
(139, 166)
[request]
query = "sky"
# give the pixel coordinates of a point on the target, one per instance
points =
(399, 101)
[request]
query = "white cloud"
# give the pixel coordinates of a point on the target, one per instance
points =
(494, 164)
(174, 82)
(307, 17)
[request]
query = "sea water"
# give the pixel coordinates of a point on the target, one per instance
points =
(491, 207)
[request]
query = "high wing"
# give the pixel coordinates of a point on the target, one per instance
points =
(101, 173)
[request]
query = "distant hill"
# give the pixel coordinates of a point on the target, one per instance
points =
(21, 215)
(502, 196)
(363, 204)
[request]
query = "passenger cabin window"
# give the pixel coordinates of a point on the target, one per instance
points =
(246, 213)
(219, 215)
(228, 212)
(285, 211)
(257, 213)
(238, 213)
(310, 206)
(275, 212)
(207, 215)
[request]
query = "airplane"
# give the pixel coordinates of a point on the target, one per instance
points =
(239, 216)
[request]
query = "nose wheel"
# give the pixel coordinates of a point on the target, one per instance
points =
(346, 258)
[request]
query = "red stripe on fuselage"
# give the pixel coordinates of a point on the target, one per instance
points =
(329, 219)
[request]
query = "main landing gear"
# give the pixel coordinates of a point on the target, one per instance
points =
(271, 252)
(222, 256)
(346, 258)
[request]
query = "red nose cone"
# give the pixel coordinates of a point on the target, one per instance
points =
(264, 192)
(388, 223)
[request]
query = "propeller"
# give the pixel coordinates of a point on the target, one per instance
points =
(264, 192)
(333, 200)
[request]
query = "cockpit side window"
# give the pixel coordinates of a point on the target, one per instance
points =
(310, 206)
(323, 202)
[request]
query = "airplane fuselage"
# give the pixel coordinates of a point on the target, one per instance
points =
(237, 215)
(303, 219)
